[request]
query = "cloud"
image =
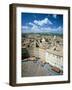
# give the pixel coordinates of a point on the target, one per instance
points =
(39, 29)
(35, 27)
(44, 25)
(53, 30)
(60, 29)
(42, 22)
(55, 16)
(25, 27)
(30, 23)
(56, 30)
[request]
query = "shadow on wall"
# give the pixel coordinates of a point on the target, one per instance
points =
(25, 53)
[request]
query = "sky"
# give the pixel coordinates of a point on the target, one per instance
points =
(41, 23)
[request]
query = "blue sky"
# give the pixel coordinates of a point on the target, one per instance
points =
(41, 23)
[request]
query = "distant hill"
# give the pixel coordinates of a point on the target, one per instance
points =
(46, 34)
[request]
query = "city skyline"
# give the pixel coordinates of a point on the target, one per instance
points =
(41, 23)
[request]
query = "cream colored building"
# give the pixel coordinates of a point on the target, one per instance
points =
(54, 60)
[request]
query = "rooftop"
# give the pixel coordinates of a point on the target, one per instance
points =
(52, 44)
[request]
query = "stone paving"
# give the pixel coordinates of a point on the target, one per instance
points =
(36, 68)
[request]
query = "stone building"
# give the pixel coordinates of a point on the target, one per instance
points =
(52, 54)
